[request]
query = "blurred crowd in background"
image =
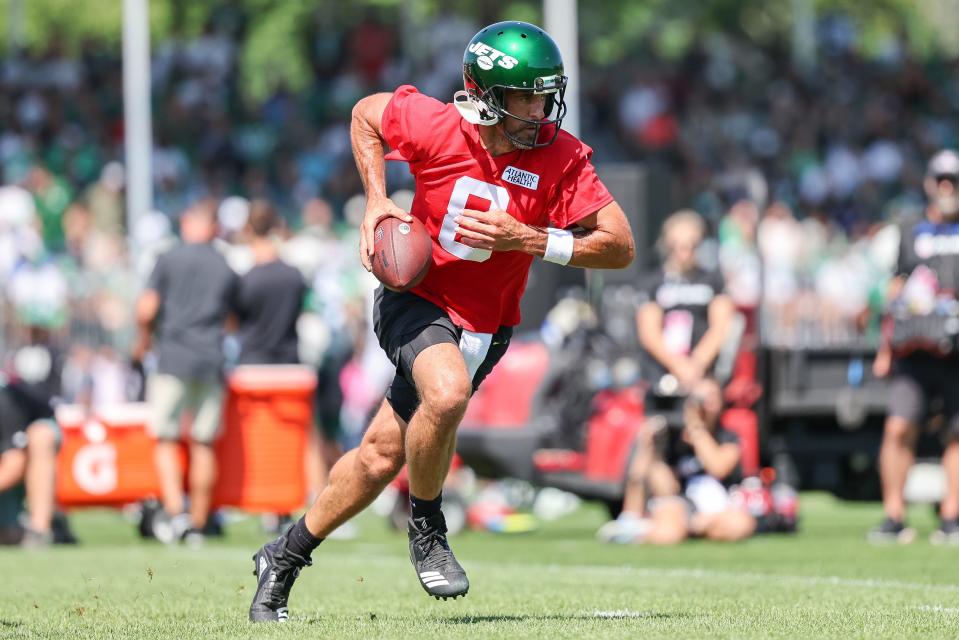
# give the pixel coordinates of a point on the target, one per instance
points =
(803, 175)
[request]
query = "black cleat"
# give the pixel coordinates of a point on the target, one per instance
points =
(891, 531)
(438, 571)
(946, 534)
(276, 568)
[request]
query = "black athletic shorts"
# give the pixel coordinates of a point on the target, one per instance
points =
(922, 381)
(406, 324)
(19, 410)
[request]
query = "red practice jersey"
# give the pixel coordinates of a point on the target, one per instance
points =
(553, 186)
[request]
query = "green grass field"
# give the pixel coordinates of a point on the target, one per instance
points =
(554, 583)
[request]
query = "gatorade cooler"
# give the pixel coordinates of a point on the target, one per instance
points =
(106, 458)
(269, 409)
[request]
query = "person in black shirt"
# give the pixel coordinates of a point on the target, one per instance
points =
(187, 301)
(270, 297)
(678, 479)
(925, 287)
(684, 315)
(29, 437)
(268, 304)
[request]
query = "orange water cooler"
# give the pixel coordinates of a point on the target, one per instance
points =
(269, 410)
(107, 457)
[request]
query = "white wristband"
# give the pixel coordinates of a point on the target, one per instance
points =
(559, 246)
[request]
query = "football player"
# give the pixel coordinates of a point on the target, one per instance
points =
(497, 185)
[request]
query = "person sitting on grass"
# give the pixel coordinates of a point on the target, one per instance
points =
(677, 484)
(29, 437)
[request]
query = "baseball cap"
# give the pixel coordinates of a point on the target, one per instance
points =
(233, 213)
(944, 163)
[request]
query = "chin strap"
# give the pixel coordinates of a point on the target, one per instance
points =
(473, 110)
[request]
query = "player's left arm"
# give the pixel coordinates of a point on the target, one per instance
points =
(601, 240)
(718, 459)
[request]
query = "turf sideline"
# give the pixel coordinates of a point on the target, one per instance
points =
(681, 572)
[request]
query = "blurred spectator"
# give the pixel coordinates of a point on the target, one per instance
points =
(30, 386)
(645, 114)
(845, 138)
(925, 287)
(29, 437)
(779, 239)
(316, 244)
(36, 363)
(371, 45)
(678, 481)
(153, 237)
(17, 215)
(52, 196)
(739, 258)
(684, 315)
(270, 297)
(234, 236)
(37, 288)
(186, 302)
(104, 198)
(269, 300)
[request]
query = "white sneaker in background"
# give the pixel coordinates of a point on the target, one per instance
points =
(346, 531)
(194, 539)
(169, 530)
(626, 529)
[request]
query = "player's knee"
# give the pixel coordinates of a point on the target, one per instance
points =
(41, 437)
(743, 526)
(733, 526)
(670, 521)
(899, 431)
(446, 400)
(667, 533)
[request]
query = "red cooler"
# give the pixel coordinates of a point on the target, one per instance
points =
(268, 412)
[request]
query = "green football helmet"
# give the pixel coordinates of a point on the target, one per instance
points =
(512, 55)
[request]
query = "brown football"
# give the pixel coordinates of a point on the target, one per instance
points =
(402, 253)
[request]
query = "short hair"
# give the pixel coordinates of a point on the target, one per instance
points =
(679, 218)
(262, 218)
(203, 209)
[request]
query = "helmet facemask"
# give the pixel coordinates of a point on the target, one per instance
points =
(490, 105)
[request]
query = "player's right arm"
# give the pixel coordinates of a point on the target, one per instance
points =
(148, 308)
(366, 136)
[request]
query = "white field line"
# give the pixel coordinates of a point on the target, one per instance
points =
(681, 572)
(335, 556)
(708, 574)
(620, 613)
(937, 609)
